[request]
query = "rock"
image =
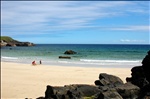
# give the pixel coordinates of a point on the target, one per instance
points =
(145, 92)
(70, 52)
(64, 57)
(49, 92)
(108, 86)
(146, 66)
(112, 87)
(87, 90)
(106, 79)
(8, 41)
(2, 43)
(24, 44)
(108, 95)
(138, 76)
(128, 91)
(75, 91)
(141, 77)
(11, 44)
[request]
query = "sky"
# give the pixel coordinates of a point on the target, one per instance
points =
(77, 22)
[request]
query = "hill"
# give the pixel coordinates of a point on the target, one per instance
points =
(8, 41)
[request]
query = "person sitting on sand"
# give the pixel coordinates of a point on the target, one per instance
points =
(33, 63)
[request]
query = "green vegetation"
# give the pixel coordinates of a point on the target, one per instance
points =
(7, 39)
(92, 97)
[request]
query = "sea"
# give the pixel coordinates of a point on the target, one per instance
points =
(88, 55)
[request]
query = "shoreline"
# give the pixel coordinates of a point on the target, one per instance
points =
(66, 63)
(20, 80)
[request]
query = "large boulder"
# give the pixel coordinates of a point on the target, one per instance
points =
(108, 80)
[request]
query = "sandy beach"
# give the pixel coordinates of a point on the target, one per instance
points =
(27, 81)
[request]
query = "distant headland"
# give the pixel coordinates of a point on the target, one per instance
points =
(8, 41)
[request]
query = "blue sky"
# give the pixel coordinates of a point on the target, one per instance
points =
(77, 22)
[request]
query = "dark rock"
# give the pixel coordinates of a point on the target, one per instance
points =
(145, 91)
(138, 76)
(146, 60)
(76, 91)
(97, 82)
(49, 92)
(70, 52)
(64, 57)
(24, 44)
(104, 88)
(106, 79)
(146, 66)
(40, 98)
(10, 44)
(129, 79)
(128, 91)
(87, 90)
(108, 95)
(141, 78)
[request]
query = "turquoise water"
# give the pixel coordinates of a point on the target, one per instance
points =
(87, 54)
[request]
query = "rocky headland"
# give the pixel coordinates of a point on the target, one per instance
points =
(8, 41)
(107, 86)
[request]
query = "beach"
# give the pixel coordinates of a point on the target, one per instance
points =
(20, 80)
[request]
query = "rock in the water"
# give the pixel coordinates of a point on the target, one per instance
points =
(64, 57)
(70, 52)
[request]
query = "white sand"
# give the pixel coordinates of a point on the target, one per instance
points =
(20, 81)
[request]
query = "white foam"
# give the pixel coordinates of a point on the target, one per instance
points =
(109, 61)
(3, 57)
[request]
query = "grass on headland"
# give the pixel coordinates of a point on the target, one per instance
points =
(7, 39)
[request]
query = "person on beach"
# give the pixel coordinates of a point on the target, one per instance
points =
(33, 63)
(40, 62)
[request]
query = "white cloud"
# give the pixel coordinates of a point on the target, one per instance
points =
(132, 28)
(132, 41)
(29, 16)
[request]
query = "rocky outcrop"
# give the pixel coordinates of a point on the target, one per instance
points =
(2, 43)
(14, 43)
(108, 86)
(112, 87)
(140, 77)
(70, 52)
(75, 91)
(146, 66)
(24, 44)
